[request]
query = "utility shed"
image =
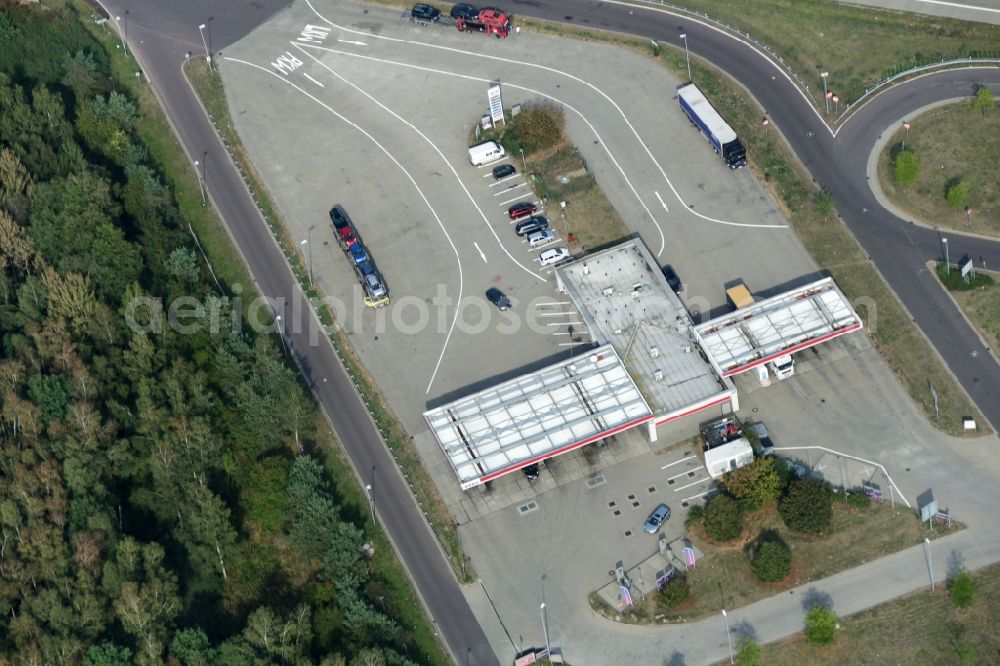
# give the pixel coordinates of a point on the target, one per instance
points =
(727, 457)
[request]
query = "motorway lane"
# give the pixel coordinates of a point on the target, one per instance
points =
(165, 37)
(898, 249)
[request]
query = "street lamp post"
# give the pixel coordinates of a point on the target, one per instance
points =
(687, 56)
(371, 494)
(524, 164)
(121, 34)
(545, 630)
(210, 19)
(968, 214)
(826, 94)
(729, 637)
(199, 167)
(947, 263)
(906, 126)
(281, 334)
(930, 565)
(307, 241)
(836, 103)
(208, 55)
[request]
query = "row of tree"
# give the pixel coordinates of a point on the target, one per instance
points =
(154, 503)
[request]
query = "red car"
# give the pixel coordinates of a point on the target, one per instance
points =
(519, 210)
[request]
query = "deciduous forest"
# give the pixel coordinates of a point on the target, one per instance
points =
(158, 501)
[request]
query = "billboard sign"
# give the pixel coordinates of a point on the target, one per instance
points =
(496, 103)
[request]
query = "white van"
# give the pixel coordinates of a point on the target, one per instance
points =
(540, 238)
(484, 153)
(553, 256)
(783, 366)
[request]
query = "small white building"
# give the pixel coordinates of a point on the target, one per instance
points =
(727, 457)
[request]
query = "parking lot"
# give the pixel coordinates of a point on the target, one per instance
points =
(374, 113)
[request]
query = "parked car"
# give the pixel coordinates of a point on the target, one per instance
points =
(660, 515)
(553, 256)
(672, 279)
(531, 471)
(498, 298)
(464, 12)
(338, 217)
(522, 209)
(422, 12)
(540, 238)
(504, 170)
(531, 225)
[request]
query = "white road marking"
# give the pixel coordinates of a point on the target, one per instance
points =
(481, 166)
(556, 314)
(519, 196)
(481, 253)
(688, 499)
(677, 462)
(661, 201)
(313, 80)
(502, 180)
(565, 323)
(347, 41)
(554, 303)
(677, 476)
(574, 110)
(509, 188)
(694, 483)
(392, 158)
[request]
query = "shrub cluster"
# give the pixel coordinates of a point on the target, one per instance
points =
(723, 521)
(807, 506)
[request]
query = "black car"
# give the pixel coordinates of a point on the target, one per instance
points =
(504, 170)
(498, 298)
(531, 471)
(672, 279)
(531, 225)
(422, 12)
(464, 12)
(338, 217)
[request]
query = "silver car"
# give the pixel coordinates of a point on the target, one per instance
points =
(656, 519)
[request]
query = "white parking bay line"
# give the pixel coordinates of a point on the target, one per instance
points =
(519, 196)
(676, 462)
(512, 187)
(693, 483)
(565, 323)
(490, 164)
(553, 303)
(557, 314)
(677, 476)
(313, 80)
(502, 180)
(688, 499)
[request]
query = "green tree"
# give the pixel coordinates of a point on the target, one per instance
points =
(957, 195)
(723, 521)
(49, 393)
(81, 74)
(206, 531)
(675, 592)
(539, 125)
(191, 648)
(772, 560)
(748, 652)
(906, 167)
(983, 101)
(821, 625)
(107, 654)
(807, 506)
(183, 266)
(962, 589)
(756, 483)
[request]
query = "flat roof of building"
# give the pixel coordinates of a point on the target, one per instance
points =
(538, 415)
(626, 302)
(776, 326)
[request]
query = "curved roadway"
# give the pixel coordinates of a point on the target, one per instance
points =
(900, 250)
(161, 33)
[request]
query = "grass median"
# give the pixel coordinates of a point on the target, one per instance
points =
(922, 628)
(955, 146)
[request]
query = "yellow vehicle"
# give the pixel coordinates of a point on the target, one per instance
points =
(739, 296)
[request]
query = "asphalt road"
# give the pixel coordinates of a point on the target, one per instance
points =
(160, 34)
(899, 250)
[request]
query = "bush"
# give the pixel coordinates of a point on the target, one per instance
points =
(962, 589)
(807, 506)
(538, 126)
(695, 514)
(906, 167)
(859, 500)
(722, 518)
(821, 625)
(957, 195)
(772, 560)
(675, 592)
(756, 483)
(748, 652)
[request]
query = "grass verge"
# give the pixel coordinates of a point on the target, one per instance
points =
(979, 299)
(953, 144)
(208, 85)
(858, 46)
(724, 576)
(922, 628)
